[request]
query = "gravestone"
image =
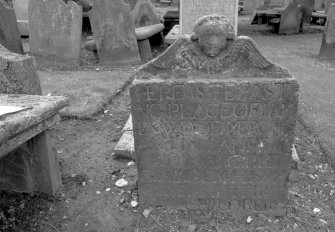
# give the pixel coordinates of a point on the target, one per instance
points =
(327, 49)
(21, 12)
(191, 10)
(214, 124)
(55, 30)
(327, 5)
(131, 3)
(114, 32)
(318, 5)
(9, 32)
(306, 9)
(290, 19)
(18, 74)
(144, 14)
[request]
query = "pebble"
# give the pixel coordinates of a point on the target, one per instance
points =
(121, 183)
(134, 204)
(106, 111)
(316, 210)
(249, 219)
(108, 189)
(131, 163)
(311, 176)
(83, 183)
(147, 212)
(98, 192)
(323, 221)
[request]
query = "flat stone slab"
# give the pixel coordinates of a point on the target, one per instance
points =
(173, 35)
(38, 109)
(125, 146)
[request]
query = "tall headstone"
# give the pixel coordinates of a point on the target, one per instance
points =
(214, 124)
(290, 19)
(55, 31)
(114, 32)
(327, 49)
(18, 74)
(191, 10)
(21, 12)
(328, 4)
(144, 14)
(9, 32)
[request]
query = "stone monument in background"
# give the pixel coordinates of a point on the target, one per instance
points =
(214, 123)
(191, 10)
(55, 30)
(114, 32)
(9, 33)
(21, 12)
(327, 49)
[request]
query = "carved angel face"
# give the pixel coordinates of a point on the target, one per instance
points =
(212, 44)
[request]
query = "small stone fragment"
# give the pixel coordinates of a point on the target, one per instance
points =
(106, 111)
(192, 228)
(316, 210)
(295, 225)
(147, 212)
(121, 183)
(83, 183)
(108, 189)
(131, 163)
(249, 219)
(134, 204)
(98, 192)
(323, 221)
(311, 176)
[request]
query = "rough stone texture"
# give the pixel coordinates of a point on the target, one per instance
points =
(9, 32)
(173, 35)
(214, 131)
(290, 19)
(318, 4)
(18, 74)
(144, 14)
(131, 3)
(21, 12)
(328, 4)
(191, 10)
(114, 32)
(327, 49)
(146, 32)
(55, 30)
(28, 161)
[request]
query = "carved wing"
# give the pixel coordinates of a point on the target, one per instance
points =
(246, 47)
(168, 58)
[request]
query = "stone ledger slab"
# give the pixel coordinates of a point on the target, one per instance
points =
(327, 49)
(114, 33)
(18, 74)
(214, 133)
(9, 32)
(191, 10)
(55, 30)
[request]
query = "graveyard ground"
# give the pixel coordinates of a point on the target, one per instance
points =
(89, 200)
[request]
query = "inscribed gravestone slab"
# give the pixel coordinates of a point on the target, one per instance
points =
(114, 32)
(191, 10)
(18, 74)
(9, 32)
(214, 129)
(21, 12)
(327, 49)
(55, 30)
(290, 19)
(144, 14)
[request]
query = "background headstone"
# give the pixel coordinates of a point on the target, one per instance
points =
(131, 3)
(290, 19)
(114, 32)
(21, 12)
(18, 74)
(328, 3)
(55, 30)
(191, 10)
(327, 49)
(319, 4)
(144, 14)
(9, 32)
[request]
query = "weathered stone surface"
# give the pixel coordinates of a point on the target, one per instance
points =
(55, 30)
(125, 146)
(318, 5)
(173, 35)
(144, 14)
(191, 10)
(28, 161)
(327, 49)
(146, 32)
(214, 124)
(328, 4)
(131, 3)
(114, 32)
(290, 19)
(9, 32)
(18, 74)
(21, 12)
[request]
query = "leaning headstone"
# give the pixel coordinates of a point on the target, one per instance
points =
(114, 33)
(327, 49)
(18, 74)
(214, 124)
(191, 10)
(55, 30)
(9, 32)
(290, 19)
(144, 14)
(21, 12)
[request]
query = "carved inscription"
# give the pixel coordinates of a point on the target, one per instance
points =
(214, 144)
(191, 10)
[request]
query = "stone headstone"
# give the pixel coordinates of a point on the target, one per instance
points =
(327, 5)
(327, 49)
(55, 30)
(114, 32)
(144, 14)
(131, 3)
(290, 19)
(214, 125)
(21, 12)
(191, 10)
(318, 5)
(18, 74)
(306, 9)
(9, 32)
